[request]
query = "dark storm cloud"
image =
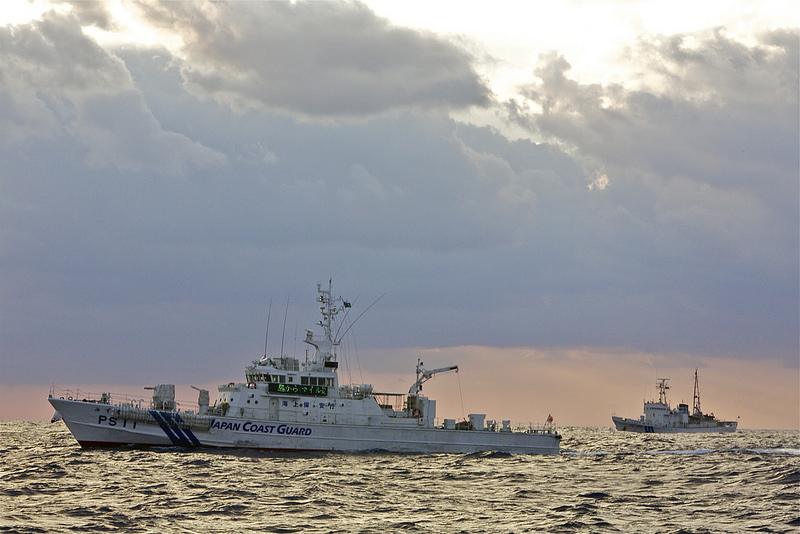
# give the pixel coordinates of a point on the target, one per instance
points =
(125, 226)
(316, 58)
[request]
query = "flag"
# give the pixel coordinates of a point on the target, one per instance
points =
(549, 418)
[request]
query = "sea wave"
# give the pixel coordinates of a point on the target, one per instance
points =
(604, 481)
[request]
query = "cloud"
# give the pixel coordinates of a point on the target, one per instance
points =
(321, 59)
(706, 106)
(58, 82)
(95, 14)
(114, 228)
(700, 163)
(150, 216)
(44, 58)
(54, 54)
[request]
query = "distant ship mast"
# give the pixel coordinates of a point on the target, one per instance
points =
(696, 404)
(662, 386)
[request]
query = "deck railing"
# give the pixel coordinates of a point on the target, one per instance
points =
(114, 399)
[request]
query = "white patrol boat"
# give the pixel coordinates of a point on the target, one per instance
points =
(287, 406)
(660, 418)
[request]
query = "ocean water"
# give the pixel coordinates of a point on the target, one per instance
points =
(603, 481)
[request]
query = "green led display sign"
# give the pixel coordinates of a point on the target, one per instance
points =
(297, 389)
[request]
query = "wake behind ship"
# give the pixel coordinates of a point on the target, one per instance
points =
(286, 405)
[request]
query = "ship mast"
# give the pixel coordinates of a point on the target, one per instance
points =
(696, 403)
(324, 344)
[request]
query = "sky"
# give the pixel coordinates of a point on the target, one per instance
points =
(567, 201)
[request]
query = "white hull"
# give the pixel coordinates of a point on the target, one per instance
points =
(636, 425)
(103, 425)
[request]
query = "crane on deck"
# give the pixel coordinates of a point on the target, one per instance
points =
(423, 375)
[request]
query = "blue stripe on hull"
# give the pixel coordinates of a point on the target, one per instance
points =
(171, 424)
(181, 426)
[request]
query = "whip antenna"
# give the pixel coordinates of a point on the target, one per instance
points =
(266, 337)
(284, 324)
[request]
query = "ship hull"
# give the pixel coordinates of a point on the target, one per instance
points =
(103, 425)
(635, 425)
